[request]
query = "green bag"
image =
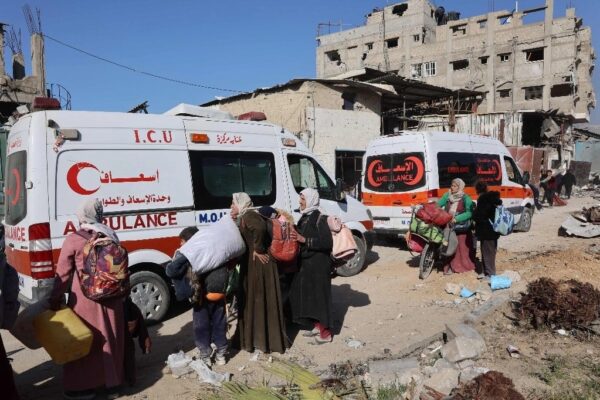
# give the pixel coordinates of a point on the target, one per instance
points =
(431, 233)
(233, 282)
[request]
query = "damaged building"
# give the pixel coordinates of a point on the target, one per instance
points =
(19, 91)
(336, 118)
(535, 77)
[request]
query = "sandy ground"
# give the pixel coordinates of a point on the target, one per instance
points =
(386, 307)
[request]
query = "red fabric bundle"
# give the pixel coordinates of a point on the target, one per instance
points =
(431, 213)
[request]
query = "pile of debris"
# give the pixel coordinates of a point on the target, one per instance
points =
(491, 385)
(584, 223)
(567, 304)
(590, 190)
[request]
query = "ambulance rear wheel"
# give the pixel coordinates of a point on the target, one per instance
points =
(354, 265)
(151, 294)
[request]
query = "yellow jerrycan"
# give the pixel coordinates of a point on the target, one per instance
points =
(64, 336)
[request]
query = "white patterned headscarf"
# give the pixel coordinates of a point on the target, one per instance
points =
(311, 196)
(242, 201)
(90, 214)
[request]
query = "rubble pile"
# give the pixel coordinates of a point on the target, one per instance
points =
(584, 223)
(567, 304)
(491, 385)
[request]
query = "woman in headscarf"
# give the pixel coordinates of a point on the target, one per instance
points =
(260, 317)
(310, 295)
(460, 205)
(103, 367)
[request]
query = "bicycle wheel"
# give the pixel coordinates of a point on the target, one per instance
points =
(428, 258)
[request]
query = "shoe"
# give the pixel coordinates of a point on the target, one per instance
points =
(314, 332)
(449, 272)
(220, 359)
(80, 394)
(480, 276)
(321, 340)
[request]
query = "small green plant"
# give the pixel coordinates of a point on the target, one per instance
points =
(554, 370)
(390, 392)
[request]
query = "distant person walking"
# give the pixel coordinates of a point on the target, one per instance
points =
(260, 317)
(310, 296)
(568, 181)
(548, 183)
(104, 365)
(485, 212)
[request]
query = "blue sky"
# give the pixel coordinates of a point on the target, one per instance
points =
(238, 45)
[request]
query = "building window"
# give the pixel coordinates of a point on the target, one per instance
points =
(504, 57)
(459, 30)
(333, 56)
(369, 46)
(430, 68)
(349, 100)
(534, 54)
(391, 43)
(416, 38)
(352, 47)
(416, 70)
(460, 64)
(483, 60)
(482, 23)
(533, 92)
(563, 89)
(504, 93)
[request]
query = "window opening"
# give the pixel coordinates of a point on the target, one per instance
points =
(504, 57)
(349, 100)
(400, 9)
(534, 54)
(563, 89)
(483, 60)
(460, 64)
(391, 43)
(459, 30)
(504, 93)
(533, 92)
(333, 56)
(416, 38)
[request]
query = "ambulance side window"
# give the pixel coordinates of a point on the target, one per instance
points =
(512, 171)
(16, 195)
(216, 175)
(307, 173)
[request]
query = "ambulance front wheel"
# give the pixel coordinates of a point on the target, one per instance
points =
(151, 294)
(354, 265)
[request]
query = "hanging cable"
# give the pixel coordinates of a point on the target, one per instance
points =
(131, 69)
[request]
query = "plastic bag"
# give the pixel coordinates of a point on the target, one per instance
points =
(206, 375)
(214, 245)
(179, 364)
(500, 282)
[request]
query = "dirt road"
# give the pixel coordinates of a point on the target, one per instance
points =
(386, 307)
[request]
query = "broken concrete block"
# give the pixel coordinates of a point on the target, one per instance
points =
(465, 364)
(443, 381)
(453, 288)
(465, 330)
(389, 371)
(471, 373)
(514, 276)
(462, 348)
(429, 370)
(442, 364)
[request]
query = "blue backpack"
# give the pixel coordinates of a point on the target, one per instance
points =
(504, 221)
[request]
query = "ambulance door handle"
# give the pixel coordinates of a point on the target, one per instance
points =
(397, 202)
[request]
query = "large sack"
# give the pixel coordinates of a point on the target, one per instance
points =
(429, 232)
(213, 246)
(431, 213)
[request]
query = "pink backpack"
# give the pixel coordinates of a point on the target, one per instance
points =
(344, 246)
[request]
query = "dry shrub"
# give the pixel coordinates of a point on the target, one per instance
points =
(489, 386)
(566, 304)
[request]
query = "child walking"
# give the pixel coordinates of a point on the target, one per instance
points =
(206, 292)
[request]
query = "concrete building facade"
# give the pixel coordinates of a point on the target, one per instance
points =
(545, 65)
(335, 119)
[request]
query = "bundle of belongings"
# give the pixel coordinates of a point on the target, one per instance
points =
(427, 226)
(209, 254)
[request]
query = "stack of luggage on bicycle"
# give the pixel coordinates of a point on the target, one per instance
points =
(426, 226)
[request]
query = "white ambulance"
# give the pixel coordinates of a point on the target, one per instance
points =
(415, 167)
(155, 175)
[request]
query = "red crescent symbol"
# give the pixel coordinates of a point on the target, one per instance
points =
(499, 176)
(15, 197)
(420, 170)
(72, 178)
(370, 173)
